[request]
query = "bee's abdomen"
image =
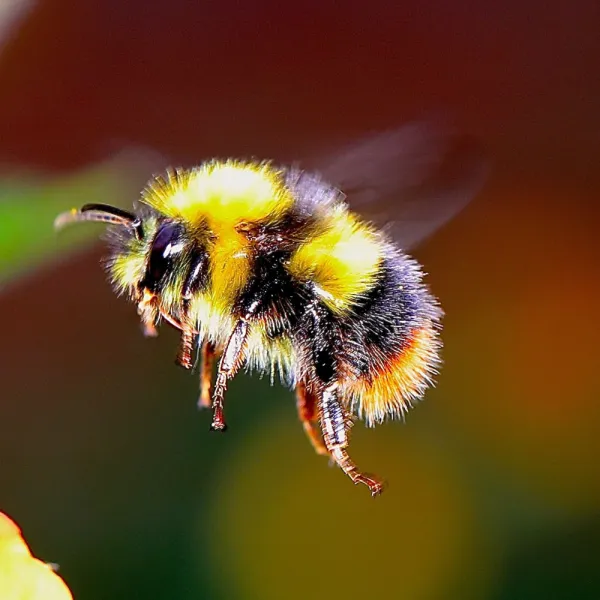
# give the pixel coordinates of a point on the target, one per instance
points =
(391, 342)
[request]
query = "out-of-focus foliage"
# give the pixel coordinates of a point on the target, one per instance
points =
(22, 576)
(30, 202)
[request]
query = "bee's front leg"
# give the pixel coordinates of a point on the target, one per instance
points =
(194, 281)
(186, 348)
(188, 338)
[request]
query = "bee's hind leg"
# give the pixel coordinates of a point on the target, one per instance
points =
(322, 346)
(306, 403)
(335, 433)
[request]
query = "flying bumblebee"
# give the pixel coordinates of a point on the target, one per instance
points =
(269, 268)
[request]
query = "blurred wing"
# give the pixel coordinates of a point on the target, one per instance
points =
(408, 181)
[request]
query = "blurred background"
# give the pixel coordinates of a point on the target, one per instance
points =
(105, 461)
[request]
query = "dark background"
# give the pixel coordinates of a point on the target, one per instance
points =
(494, 481)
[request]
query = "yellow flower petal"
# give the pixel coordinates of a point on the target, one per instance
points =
(22, 576)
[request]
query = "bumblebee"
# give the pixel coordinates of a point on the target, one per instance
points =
(270, 268)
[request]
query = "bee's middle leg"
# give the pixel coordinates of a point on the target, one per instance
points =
(248, 307)
(231, 360)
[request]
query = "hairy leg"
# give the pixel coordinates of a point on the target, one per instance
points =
(249, 306)
(233, 355)
(335, 433)
(186, 348)
(323, 347)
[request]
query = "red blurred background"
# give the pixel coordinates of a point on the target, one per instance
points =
(495, 488)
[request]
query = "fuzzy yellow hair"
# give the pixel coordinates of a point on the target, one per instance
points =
(342, 260)
(220, 193)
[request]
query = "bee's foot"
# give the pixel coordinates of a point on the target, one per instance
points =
(375, 486)
(218, 426)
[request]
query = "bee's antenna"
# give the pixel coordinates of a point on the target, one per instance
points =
(102, 213)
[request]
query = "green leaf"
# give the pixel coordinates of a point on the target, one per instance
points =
(29, 203)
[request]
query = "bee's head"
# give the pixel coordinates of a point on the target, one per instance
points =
(153, 261)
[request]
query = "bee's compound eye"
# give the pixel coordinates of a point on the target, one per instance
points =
(169, 241)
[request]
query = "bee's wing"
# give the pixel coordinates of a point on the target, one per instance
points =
(408, 181)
